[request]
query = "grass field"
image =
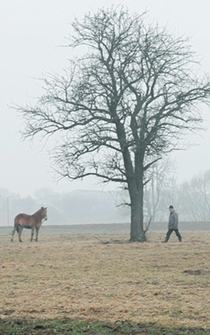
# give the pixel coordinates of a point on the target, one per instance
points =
(98, 283)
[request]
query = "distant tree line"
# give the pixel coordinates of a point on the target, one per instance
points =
(191, 199)
(75, 207)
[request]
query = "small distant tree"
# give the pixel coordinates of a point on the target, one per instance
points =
(157, 192)
(121, 106)
(195, 196)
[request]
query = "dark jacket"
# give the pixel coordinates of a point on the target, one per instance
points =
(173, 220)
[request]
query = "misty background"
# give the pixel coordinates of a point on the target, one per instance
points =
(33, 36)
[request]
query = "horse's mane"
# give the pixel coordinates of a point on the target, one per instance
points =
(39, 211)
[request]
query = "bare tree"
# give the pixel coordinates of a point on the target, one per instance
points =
(195, 196)
(121, 106)
(158, 191)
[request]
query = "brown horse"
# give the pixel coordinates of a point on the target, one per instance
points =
(30, 222)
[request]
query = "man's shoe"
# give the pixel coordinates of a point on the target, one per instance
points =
(164, 241)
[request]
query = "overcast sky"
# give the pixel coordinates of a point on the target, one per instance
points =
(31, 33)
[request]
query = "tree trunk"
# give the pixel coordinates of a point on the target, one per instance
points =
(137, 232)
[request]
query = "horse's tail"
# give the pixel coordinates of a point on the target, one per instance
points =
(16, 226)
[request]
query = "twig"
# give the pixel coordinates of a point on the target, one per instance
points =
(103, 242)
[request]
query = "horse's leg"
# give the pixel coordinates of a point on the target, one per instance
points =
(32, 234)
(37, 233)
(20, 230)
(13, 233)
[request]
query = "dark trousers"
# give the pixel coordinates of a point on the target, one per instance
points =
(170, 231)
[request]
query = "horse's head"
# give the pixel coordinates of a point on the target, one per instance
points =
(44, 213)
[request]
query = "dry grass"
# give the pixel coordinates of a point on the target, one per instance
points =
(77, 276)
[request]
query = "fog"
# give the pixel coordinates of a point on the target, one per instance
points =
(32, 36)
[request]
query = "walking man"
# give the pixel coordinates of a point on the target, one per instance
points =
(172, 225)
